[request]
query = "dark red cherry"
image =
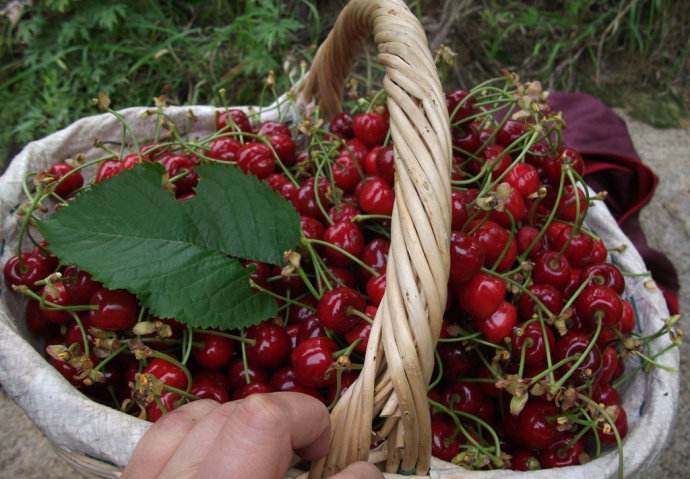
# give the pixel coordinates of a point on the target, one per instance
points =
(305, 199)
(261, 272)
(552, 268)
(375, 254)
(224, 149)
(548, 295)
(36, 323)
(272, 346)
(285, 379)
(460, 200)
(620, 420)
(375, 196)
(256, 159)
(499, 324)
(605, 394)
(311, 227)
(376, 287)
(311, 328)
(510, 132)
(553, 166)
(457, 361)
(211, 385)
(463, 396)
(513, 208)
(167, 372)
(370, 128)
(312, 361)
(215, 353)
(444, 442)
(466, 257)
(599, 252)
(247, 390)
(170, 402)
(460, 105)
(599, 303)
(345, 173)
(355, 148)
(182, 168)
(117, 309)
(299, 313)
(575, 342)
(627, 321)
(524, 238)
(341, 125)
(380, 161)
(27, 271)
(524, 460)
(240, 374)
(347, 378)
(108, 169)
(609, 365)
(605, 274)
(70, 183)
(270, 128)
(343, 212)
(532, 339)
(493, 239)
(524, 178)
(466, 139)
(536, 425)
(80, 285)
(234, 119)
(496, 159)
(285, 149)
(562, 453)
(334, 306)
(361, 331)
(568, 206)
(481, 295)
(346, 236)
(537, 154)
(58, 294)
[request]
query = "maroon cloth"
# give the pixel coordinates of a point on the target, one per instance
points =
(612, 164)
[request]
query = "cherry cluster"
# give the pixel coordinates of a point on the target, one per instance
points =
(535, 333)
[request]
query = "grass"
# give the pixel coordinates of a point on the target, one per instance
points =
(62, 53)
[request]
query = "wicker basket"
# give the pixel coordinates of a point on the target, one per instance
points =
(400, 354)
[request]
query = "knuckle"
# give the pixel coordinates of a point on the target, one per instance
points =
(261, 413)
(181, 420)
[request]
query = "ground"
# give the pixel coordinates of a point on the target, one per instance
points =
(28, 454)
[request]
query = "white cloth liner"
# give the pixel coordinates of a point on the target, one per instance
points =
(73, 422)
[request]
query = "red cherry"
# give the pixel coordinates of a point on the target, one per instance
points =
(73, 335)
(312, 360)
(117, 309)
(609, 365)
(300, 313)
(524, 460)
(108, 169)
(234, 119)
(285, 149)
(553, 166)
(444, 442)
(457, 361)
(342, 212)
(270, 128)
(620, 420)
(334, 306)
(177, 165)
(224, 149)
(380, 161)
(341, 125)
(605, 274)
(510, 132)
(466, 139)
(43, 252)
(606, 394)
(211, 385)
(305, 199)
(169, 400)
(356, 149)
(537, 154)
(578, 247)
(482, 295)
(256, 159)
(499, 324)
(514, 209)
(460, 199)
(536, 425)
(496, 159)
(215, 353)
(531, 337)
(375, 196)
(375, 254)
(36, 323)
(345, 173)
(599, 303)
(311, 227)
(370, 128)
(463, 396)
(311, 328)
(80, 285)
(284, 379)
(360, 331)
(26, 272)
(347, 378)
(460, 105)
(599, 252)
(70, 184)
(568, 205)
(627, 321)
(552, 268)
(261, 272)
(58, 294)
(493, 239)
(547, 294)
(573, 283)
(247, 390)
(343, 276)
(238, 374)
(562, 453)
(575, 342)
(466, 257)
(376, 287)
(524, 178)
(346, 236)
(524, 238)
(272, 346)
(167, 372)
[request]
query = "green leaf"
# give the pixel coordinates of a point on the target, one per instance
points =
(129, 233)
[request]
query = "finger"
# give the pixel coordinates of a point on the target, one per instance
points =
(259, 437)
(359, 470)
(158, 444)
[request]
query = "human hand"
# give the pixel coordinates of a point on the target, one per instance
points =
(254, 437)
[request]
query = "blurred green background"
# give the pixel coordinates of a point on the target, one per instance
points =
(57, 55)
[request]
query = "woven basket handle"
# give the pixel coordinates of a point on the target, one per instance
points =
(400, 354)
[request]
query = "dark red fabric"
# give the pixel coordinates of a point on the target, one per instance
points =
(612, 164)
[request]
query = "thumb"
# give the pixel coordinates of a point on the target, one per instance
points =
(359, 470)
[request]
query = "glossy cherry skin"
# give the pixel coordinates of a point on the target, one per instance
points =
(235, 119)
(299, 313)
(376, 287)
(550, 297)
(215, 353)
(117, 309)
(562, 453)
(466, 257)
(26, 272)
(375, 196)
(108, 169)
(311, 328)
(224, 149)
(627, 322)
(341, 125)
(36, 323)
(568, 205)
(333, 309)
(460, 200)
(496, 159)
(311, 227)
(552, 268)
(553, 166)
(284, 379)
(361, 331)
(356, 149)
(182, 166)
(524, 238)
(481, 295)
(272, 347)
(58, 294)
(211, 385)
(599, 303)
(343, 212)
(238, 374)
(599, 252)
(536, 425)
(256, 159)
(620, 420)
(345, 173)
(606, 394)
(463, 396)
(498, 325)
(444, 442)
(380, 161)
(493, 239)
(510, 132)
(609, 365)
(269, 128)
(513, 210)
(70, 184)
(524, 178)
(250, 389)
(375, 254)
(605, 274)
(575, 342)
(167, 372)
(524, 460)
(578, 249)
(305, 198)
(80, 285)
(466, 140)
(457, 361)
(169, 400)
(284, 148)
(531, 337)
(370, 128)
(312, 361)
(346, 236)
(460, 105)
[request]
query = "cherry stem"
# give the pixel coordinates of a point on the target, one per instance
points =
(439, 367)
(110, 357)
(338, 387)
(356, 312)
(549, 219)
(280, 297)
(577, 293)
(181, 392)
(558, 385)
(52, 306)
(245, 364)
(602, 410)
(240, 339)
(348, 350)
(358, 218)
(172, 360)
(455, 339)
(187, 344)
(351, 257)
(82, 330)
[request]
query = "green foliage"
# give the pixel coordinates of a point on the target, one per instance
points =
(178, 257)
